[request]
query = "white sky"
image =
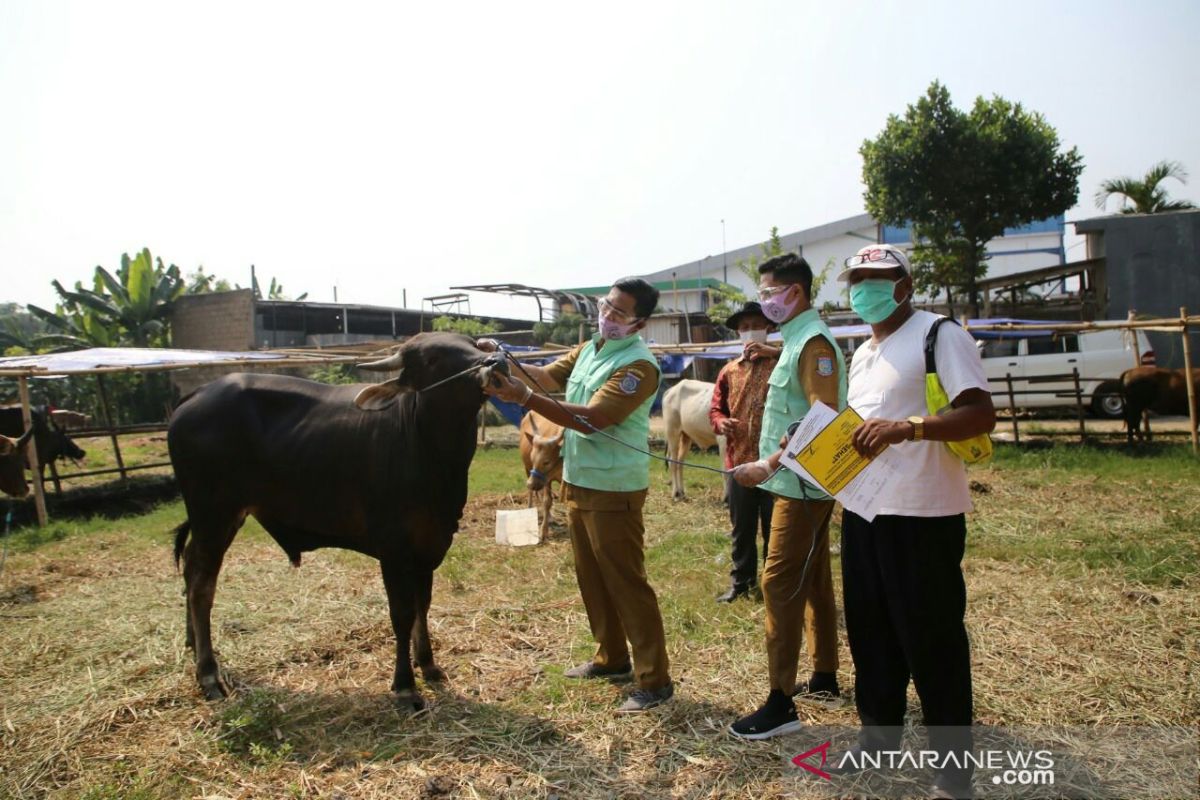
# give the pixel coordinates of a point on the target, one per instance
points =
(418, 146)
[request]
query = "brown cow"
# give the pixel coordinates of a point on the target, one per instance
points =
(12, 464)
(541, 452)
(1163, 391)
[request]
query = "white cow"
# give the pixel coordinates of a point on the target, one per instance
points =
(685, 411)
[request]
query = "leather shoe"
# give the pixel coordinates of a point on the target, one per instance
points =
(733, 594)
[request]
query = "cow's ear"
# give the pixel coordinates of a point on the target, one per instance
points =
(380, 395)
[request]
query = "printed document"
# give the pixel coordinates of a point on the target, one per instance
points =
(821, 453)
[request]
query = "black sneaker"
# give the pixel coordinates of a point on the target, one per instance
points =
(593, 670)
(645, 699)
(819, 690)
(776, 717)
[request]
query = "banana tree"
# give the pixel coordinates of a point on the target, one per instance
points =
(129, 308)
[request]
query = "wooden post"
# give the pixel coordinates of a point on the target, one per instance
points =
(39, 492)
(112, 427)
(1012, 408)
(1079, 404)
(1191, 380)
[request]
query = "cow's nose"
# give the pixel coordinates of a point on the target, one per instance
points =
(534, 484)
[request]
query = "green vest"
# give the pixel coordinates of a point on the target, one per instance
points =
(786, 401)
(592, 460)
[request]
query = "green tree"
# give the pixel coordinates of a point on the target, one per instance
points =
(564, 330)
(129, 308)
(724, 302)
(1145, 196)
(274, 290)
(201, 282)
(468, 325)
(960, 178)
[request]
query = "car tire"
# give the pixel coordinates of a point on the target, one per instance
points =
(1108, 401)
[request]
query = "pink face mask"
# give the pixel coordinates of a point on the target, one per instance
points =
(615, 331)
(775, 309)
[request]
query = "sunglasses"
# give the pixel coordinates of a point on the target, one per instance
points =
(872, 256)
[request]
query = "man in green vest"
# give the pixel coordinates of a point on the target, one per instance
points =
(610, 384)
(797, 583)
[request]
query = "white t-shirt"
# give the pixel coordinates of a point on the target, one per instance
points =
(887, 381)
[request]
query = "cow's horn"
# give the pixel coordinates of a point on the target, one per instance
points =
(25, 438)
(533, 424)
(393, 362)
(558, 439)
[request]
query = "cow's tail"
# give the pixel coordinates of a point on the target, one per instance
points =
(181, 534)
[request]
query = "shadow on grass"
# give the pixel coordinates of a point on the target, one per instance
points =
(458, 740)
(110, 500)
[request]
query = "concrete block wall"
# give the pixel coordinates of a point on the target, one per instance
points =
(214, 321)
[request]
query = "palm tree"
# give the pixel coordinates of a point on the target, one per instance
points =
(1147, 196)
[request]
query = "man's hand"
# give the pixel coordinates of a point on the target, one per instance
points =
(727, 426)
(508, 389)
(875, 434)
(756, 350)
(487, 345)
(752, 474)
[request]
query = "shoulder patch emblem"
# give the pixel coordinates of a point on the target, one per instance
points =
(629, 383)
(825, 366)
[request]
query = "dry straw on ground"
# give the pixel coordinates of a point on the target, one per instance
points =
(99, 698)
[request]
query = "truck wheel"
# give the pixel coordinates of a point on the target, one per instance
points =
(1108, 402)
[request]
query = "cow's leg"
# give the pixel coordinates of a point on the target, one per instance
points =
(202, 560)
(681, 453)
(420, 632)
(399, 581)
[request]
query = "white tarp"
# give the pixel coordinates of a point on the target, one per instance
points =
(96, 357)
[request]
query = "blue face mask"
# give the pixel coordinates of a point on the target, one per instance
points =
(874, 300)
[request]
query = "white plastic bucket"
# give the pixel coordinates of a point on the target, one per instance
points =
(518, 528)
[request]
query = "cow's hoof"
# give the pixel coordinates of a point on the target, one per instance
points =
(409, 698)
(677, 496)
(433, 673)
(214, 689)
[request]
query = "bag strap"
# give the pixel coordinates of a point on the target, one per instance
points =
(931, 341)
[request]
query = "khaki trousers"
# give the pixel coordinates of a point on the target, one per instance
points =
(607, 540)
(789, 605)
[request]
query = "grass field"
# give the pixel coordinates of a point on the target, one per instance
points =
(1082, 570)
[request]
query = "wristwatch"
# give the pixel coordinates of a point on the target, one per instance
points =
(918, 424)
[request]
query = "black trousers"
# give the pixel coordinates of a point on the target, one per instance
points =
(749, 509)
(905, 600)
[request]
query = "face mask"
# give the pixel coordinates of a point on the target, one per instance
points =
(874, 300)
(759, 335)
(615, 331)
(776, 309)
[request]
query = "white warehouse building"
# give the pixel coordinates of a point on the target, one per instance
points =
(1033, 246)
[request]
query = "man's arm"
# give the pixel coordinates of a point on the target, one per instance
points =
(971, 414)
(718, 409)
(962, 376)
(624, 391)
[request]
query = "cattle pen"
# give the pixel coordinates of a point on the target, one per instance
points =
(99, 362)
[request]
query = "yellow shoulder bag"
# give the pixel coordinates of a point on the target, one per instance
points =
(975, 450)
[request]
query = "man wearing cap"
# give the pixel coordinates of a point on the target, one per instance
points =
(902, 572)
(736, 414)
(611, 382)
(797, 584)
